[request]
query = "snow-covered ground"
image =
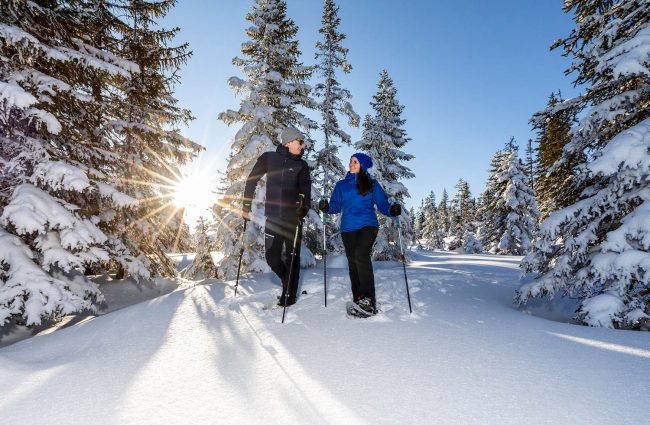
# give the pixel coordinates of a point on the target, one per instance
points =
(465, 356)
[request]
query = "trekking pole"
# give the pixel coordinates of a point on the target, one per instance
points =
(324, 251)
(296, 237)
(241, 254)
(406, 281)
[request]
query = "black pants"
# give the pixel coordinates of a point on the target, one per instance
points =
(279, 234)
(358, 248)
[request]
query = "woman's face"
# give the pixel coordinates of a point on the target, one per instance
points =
(355, 167)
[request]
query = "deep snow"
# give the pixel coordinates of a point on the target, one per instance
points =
(465, 355)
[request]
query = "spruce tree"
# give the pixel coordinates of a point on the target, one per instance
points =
(432, 234)
(444, 217)
(69, 66)
(333, 100)
(420, 222)
(51, 169)
(517, 207)
(508, 210)
(556, 184)
(461, 217)
(273, 88)
(491, 214)
(530, 163)
(598, 247)
(383, 139)
(202, 267)
(413, 224)
(152, 148)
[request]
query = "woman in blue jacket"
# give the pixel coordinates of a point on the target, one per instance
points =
(356, 197)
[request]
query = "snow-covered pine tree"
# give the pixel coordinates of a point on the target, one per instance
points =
(55, 161)
(420, 222)
(530, 163)
(444, 217)
(517, 205)
(556, 182)
(383, 138)
(490, 217)
(598, 248)
(412, 224)
(202, 266)
(432, 234)
(462, 216)
(152, 148)
(471, 243)
(333, 99)
(101, 23)
(274, 87)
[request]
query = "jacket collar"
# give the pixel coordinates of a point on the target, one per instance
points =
(284, 151)
(350, 176)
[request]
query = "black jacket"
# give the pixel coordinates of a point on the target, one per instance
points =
(287, 176)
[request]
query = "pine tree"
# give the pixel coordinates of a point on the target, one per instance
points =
(64, 160)
(432, 234)
(412, 224)
(461, 217)
(334, 99)
(598, 247)
(556, 185)
(529, 163)
(51, 170)
(153, 149)
(518, 207)
(444, 217)
(274, 87)
(202, 267)
(508, 210)
(487, 211)
(331, 56)
(490, 214)
(383, 138)
(420, 222)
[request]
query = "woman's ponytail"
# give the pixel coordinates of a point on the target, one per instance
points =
(364, 183)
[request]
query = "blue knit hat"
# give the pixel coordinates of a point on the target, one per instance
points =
(364, 160)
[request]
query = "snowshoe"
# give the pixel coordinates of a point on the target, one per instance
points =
(354, 310)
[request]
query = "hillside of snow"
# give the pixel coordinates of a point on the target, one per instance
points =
(465, 355)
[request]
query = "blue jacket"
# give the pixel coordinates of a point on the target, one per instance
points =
(358, 211)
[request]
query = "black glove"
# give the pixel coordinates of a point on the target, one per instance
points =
(324, 205)
(395, 210)
(302, 212)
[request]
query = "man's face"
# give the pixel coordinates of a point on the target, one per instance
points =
(296, 146)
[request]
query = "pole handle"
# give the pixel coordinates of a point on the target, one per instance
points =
(396, 218)
(324, 198)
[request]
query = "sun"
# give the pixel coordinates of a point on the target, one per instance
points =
(194, 193)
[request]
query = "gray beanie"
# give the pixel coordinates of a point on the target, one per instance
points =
(289, 134)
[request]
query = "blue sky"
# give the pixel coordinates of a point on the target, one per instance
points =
(469, 73)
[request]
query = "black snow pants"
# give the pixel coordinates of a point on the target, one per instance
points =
(358, 248)
(279, 234)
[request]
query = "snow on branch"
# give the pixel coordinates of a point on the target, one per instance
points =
(27, 290)
(60, 175)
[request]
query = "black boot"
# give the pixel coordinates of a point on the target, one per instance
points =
(290, 301)
(366, 305)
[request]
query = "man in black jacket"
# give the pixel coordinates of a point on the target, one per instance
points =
(287, 182)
